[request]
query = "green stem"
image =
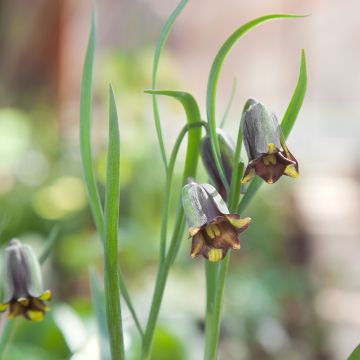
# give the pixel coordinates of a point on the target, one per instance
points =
(164, 267)
(169, 177)
(161, 278)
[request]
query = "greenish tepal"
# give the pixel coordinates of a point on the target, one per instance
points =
(22, 288)
(227, 153)
(268, 154)
(212, 228)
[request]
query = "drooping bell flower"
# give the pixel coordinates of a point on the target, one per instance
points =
(227, 152)
(212, 229)
(268, 154)
(22, 288)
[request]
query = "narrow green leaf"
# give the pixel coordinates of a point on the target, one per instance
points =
(126, 296)
(287, 124)
(297, 100)
(98, 301)
(159, 48)
(194, 136)
(85, 130)
(214, 78)
(355, 355)
(86, 152)
(231, 100)
(49, 243)
(112, 203)
(193, 115)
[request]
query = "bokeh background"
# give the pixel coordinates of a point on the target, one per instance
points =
(294, 289)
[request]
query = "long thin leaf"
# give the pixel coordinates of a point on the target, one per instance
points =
(49, 244)
(112, 203)
(192, 154)
(86, 152)
(214, 78)
(228, 106)
(159, 47)
(297, 100)
(85, 130)
(98, 301)
(287, 124)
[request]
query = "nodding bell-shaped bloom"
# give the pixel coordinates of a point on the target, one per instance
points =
(268, 154)
(212, 229)
(22, 289)
(227, 152)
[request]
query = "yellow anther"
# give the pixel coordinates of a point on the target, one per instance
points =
(269, 159)
(23, 301)
(215, 255)
(272, 148)
(210, 231)
(216, 229)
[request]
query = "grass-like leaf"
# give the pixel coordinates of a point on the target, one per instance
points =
(287, 124)
(85, 131)
(214, 78)
(296, 102)
(159, 47)
(193, 116)
(230, 102)
(49, 244)
(98, 301)
(194, 136)
(112, 203)
(86, 153)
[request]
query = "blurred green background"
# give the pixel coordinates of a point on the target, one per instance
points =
(293, 288)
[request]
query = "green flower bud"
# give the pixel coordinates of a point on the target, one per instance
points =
(22, 288)
(268, 154)
(212, 229)
(227, 152)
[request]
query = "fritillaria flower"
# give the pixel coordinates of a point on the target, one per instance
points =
(227, 152)
(212, 229)
(268, 154)
(22, 289)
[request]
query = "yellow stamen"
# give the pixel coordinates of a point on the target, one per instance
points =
(215, 255)
(215, 229)
(210, 231)
(199, 242)
(3, 307)
(46, 295)
(269, 159)
(15, 310)
(35, 315)
(291, 171)
(270, 180)
(239, 223)
(248, 177)
(23, 301)
(272, 149)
